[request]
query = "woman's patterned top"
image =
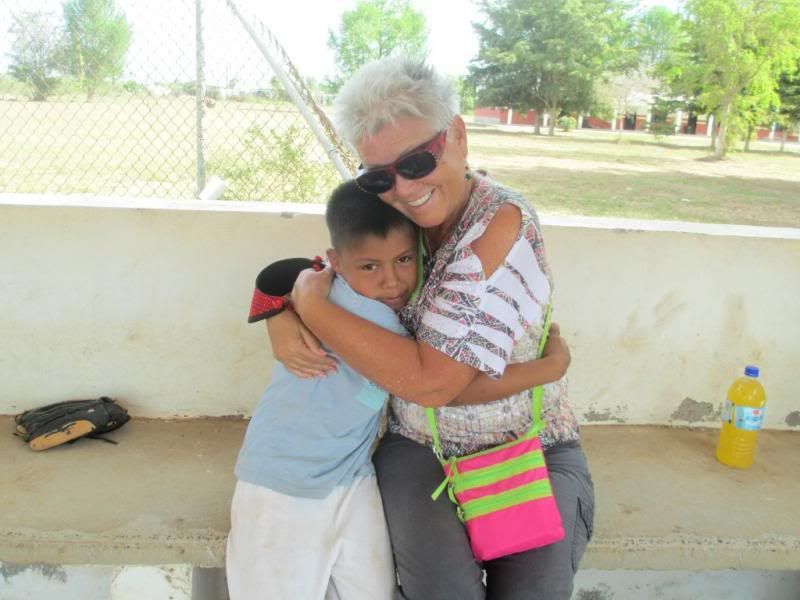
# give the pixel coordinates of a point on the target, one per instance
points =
(487, 324)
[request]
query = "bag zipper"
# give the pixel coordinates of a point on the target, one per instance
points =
(525, 493)
(493, 473)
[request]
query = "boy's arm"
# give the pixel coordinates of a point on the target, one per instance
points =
(520, 376)
(293, 344)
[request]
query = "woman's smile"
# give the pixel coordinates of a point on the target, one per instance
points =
(421, 200)
(432, 200)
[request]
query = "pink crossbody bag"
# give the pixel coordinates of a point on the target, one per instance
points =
(503, 494)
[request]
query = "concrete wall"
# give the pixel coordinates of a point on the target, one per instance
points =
(147, 301)
(592, 584)
(102, 583)
(93, 582)
(500, 115)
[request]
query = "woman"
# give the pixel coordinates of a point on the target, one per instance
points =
(481, 308)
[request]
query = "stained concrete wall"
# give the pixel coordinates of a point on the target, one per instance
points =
(147, 301)
(94, 582)
(592, 584)
(97, 583)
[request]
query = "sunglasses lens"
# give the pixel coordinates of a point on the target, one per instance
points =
(417, 165)
(414, 166)
(375, 182)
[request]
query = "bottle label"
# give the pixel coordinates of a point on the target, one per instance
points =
(745, 418)
(727, 412)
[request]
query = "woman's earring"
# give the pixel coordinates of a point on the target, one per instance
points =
(467, 173)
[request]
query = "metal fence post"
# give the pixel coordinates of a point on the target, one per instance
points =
(173, 118)
(200, 97)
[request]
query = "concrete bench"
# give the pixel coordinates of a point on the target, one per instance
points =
(160, 499)
(155, 506)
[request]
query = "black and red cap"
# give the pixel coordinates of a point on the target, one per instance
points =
(274, 285)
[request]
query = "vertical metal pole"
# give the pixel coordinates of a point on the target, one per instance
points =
(200, 97)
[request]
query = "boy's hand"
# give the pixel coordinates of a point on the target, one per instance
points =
(297, 348)
(557, 350)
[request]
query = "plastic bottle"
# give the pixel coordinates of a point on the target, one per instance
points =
(742, 417)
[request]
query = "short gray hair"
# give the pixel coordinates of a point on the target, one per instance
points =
(389, 88)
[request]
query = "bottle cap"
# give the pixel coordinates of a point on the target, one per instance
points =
(751, 371)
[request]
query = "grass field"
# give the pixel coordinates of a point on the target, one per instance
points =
(144, 146)
(599, 173)
(141, 146)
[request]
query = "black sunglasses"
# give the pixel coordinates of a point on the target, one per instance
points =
(417, 163)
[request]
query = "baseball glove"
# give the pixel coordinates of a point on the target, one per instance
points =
(62, 422)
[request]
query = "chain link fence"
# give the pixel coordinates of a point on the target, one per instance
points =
(188, 95)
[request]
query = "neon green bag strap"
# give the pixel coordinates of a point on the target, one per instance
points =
(437, 447)
(420, 267)
(537, 395)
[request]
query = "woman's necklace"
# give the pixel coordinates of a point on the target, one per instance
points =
(433, 241)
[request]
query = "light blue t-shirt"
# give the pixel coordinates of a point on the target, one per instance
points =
(308, 436)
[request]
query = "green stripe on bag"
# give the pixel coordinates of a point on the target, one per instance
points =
(525, 493)
(498, 471)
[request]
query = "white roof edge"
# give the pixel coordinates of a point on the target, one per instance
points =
(717, 229)
(285, 208)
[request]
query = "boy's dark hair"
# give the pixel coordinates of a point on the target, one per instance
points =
(352, 214)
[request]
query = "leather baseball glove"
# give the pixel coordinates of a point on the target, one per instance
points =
(63, 422)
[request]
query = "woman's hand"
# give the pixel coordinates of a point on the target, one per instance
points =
(557, 350)
(311, 286)
(519, 377)
(297, 348)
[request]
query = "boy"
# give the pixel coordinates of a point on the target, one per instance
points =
(307, 520)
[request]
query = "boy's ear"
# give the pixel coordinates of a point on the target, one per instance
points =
(333, 259)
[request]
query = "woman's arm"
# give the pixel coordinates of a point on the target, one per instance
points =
(520, 376)
(409, 369)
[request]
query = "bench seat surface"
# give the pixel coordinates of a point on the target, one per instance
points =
(162, 496)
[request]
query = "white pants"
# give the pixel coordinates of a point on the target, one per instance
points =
(286, 548)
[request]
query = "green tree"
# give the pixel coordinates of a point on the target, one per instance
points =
(788, 116)
(466, 93)
(657, 34)
(546, 55)
(276, 90)
(375, 29)
(35, 51)
(98, 36)
(733, 57)
(754, 107)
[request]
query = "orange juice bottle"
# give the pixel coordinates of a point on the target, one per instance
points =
(742, 417)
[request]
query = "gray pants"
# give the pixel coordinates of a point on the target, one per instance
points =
(430, 545)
